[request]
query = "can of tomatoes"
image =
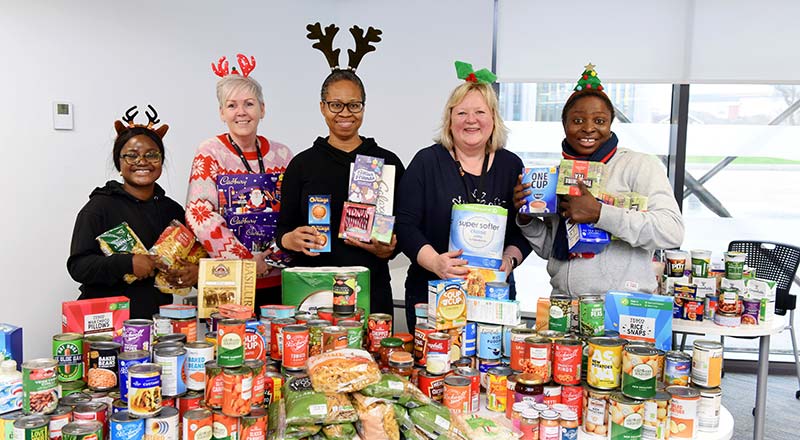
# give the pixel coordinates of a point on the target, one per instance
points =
(276, 337)
(567, 354)
(379, 326)
(237, 391)
(295, 347)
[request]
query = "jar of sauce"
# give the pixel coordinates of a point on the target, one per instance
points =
(529, 389)
(529, 425)
(401, 363)
(549, 426)
(389, 346)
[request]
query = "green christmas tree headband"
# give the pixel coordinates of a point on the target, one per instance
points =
(589, 79)
(465, 72)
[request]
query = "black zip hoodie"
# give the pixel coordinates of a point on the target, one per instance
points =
(101, 276)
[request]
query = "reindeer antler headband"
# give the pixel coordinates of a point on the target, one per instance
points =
(152, 119)
(325, 43)
(247, 66)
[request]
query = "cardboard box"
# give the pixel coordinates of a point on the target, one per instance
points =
(543, 199)
(733, 284)
(479, 230)
(11, 343)
(764, 290)
(95, 316)
(307, 287)
(493, 311)
(586, 238)
(477, 278)
(382, 228)
(319, 210)
(225, 282)
(640, 317)
(447, 304)
(669, 283)
(570, 172)
(365, 179)
(705, 286)
(357, 220)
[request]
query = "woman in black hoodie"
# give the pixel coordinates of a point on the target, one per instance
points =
(138, 156)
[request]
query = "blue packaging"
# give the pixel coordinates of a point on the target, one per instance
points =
(11, 343)
(479, 231)
(497, 290)
(490, 341)
(125, 427)
(586, 238)
(319, 210)
(126, 360)
(325, 231)
(640, 317)
(469, 347)
(543, 199)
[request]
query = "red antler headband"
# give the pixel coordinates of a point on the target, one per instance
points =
(247, 66)
(152, 119)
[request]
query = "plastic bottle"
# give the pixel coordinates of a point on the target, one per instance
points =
(10, 387)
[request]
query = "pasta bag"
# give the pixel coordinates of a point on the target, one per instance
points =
(345, 370)
(376, 419)
(121, 240)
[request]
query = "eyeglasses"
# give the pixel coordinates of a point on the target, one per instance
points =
(152, 157)
(338, 107)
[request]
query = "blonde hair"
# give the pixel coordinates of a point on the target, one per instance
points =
(231, 84)
(499, 132)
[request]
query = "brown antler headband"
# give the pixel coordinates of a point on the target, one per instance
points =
(152, 119)
(325, 43)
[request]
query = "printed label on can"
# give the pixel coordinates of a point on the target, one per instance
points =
(144, 394)
(605, 365)
(230, 345)
(69, 355)
(40, 392)
(196, 358)
(124, 366)
(136, 337)
(172, 368)
(129, 429)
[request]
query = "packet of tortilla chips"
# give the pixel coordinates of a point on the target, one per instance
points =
(121, 240)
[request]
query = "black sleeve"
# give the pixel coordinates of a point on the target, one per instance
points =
(398, 175)
(514, 235)
(86, 263)
(411, 209)
(291, 210)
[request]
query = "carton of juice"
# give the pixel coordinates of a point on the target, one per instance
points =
(447, 304)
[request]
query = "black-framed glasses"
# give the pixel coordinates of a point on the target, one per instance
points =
(153, 157)
(338, 107)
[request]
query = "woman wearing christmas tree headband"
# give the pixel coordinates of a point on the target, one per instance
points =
(468, 164)
(625, 263)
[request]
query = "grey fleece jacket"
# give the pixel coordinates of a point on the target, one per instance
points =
(625, 264)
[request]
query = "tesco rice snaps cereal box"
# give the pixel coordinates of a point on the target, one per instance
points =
(11, 343)
(640, 317)
(95, 316)
(542, 200)
(570, 172)
(479, 230)
(447, 304)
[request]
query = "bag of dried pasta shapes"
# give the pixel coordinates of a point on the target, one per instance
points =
(304, 406)
(398, 390)
(172, 246)
(343, 371)
(121, 240)
(343, 431)
(376, 418)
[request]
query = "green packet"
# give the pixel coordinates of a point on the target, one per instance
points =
(397, 389)
(120, 240)
(433, 418)
(342, 431)
(304, 406)
(279, 430)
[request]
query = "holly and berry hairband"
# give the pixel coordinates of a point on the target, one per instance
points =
(588, 79)
(465, 72)
(325, 43)
(152, 118)
(247, 66)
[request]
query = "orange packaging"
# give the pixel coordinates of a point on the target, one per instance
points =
(255, 347)
(254, 425)
(519, 348)
(186, 326)
(457, 394)
(683, 406)
(257, 366)
(497, 390)
(379, 326)
(572, 396)
(214, 385)
(237, 390)
(225, 426)
(552, 394)
(197, 424)
(295, 347)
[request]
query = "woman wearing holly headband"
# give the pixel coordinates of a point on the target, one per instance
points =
(626, 263)
(239, 152)
(468, 164)
(324, 169)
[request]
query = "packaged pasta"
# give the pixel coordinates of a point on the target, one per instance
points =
(343, 371)
(475, 427)
(121, 240)
(375, 418)
(398, 390)
(175, 243)
(342, 431)
(304, 406)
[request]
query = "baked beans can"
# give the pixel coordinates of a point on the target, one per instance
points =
(437, 360)
(707, 364)
(186, 326)
(123, 426)
(560, 313)
(379, 326)
(137, 334)
(103, 367)
(334, 337)
(87, 341)
(214, 385)
(273, 382)
(475, 385)
(639, 368)
(57, 420)
(457, 394)
(75, 399)
(237, 391)
(172, 360)
(677, 367)
(490, 341)
(163, 426)
(126, 360)
(230, 342)
(344, 290)
(40, 391)
(315, 327)
(552, 394)
(604, 362)
(253, 426)
(572, 398)
(595, 411)
(655, 425)
(469, 346)
(197, 354)
(421, 332)
(144, 390)
(197, 424)
(432, 385)
(295, 347)
(355, 333)
(83, 430)
(161, 326)
(225, 427)
(519, 348)
(626, 417)
(537, 360)
(257, 367)
(683, 412)
(708, 409)
(567, 361)
(68, 351)
(276, 337)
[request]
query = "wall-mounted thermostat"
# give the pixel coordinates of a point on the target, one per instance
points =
(62, 116)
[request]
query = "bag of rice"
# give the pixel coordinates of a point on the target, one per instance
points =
(398, 390)
(304, 406)
(121, 240)
(342, 371)
(375, 419)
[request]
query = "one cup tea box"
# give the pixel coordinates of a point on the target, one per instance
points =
(764, 290)
(224, 282)
(447, 304)
(543, 199)
(586, 238)
(640, 317)
(96, 316)
(479, 230)
(570, 172)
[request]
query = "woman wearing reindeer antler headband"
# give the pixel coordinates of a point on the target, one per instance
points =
(324, 169)
(218, 200)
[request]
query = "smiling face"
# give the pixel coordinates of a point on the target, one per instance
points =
(343, 127)
(143, 174)
(471, 122)
(242, 112)
(587, 125)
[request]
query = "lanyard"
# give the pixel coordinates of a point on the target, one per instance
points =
(484, 168)
(244, 161)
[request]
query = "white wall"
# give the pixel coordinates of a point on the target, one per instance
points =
(106, 56)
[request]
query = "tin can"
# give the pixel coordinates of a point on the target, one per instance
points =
(197, 424)
(379, 326)
(302, 318)
(126, 360)
(708, 409)
(214, 319)
(355, 333)
(57, 420)
(728, 301)
(639, 365)
(257, 367)
(497, 290)
(490, 341)
(40, 390)
(185, 326)
(727, 319)
(595, 411)
(560, 313)
(123, 426)
(592, 315)
(683, 412)
(214, 385)
(572, 398)
(484, 365)
(276, 341)
(519, 348)
(76, 386)
(163, 426)
(144, 390)
(497, 388)
(197, 354)
(552, 394)
(507, 329)
(75, 399)
(225, 427)
(537, 360)
(167, 401)
(295, 347)
(334, 337)
(677, 367)
(655, 425)
(92, 411)
(604, 361)
(255, 340)
(82, 430)
(137, 334)
(230, 342)
(432, 385)
(118, 406)
(324, 313)
(103, 367)
(187, 402)
(344, 292)
(707, 364)
(273, 382)
(172, 338)
(161, 326)
(315, 327)
(475, 385)
(7, 424)
(752, 311)
(626, 416)
(437, 361)
(709, 307)
(266, 325)
(470, 346)
(87, 340)
(68, 351)
(567, 361)
(237, 391)
(457, 394)
(421, 332)
(172, 360)
(511, 385)
(254, 425)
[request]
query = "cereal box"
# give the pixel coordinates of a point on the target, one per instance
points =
(357, 220)
(640, 317)
(11, 343)
(319, 210)
(542, 200)
(95, 316)
(224, 282)
(570, 172)
(447, 304)
(586, 238)
(365, 180)
(493, 311)
(479, 230)
(382, 228)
